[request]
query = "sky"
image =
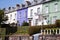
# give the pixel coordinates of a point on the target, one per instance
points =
(10, 3)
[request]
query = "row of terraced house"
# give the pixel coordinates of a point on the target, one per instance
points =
(42, 12)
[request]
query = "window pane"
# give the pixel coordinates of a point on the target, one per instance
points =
(36, 22)
(56, 7)
(31, 13)
(38, 10)
(46, 9)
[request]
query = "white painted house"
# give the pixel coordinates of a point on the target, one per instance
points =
(35, 12)
(12, 17)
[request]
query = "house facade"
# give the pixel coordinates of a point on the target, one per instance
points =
(43, 13)
(22, 16)
(51, 11)
(12, 17)
(35, 14)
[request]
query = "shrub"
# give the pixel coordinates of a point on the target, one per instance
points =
(34, 30)
(25, 24)
(9, 29)
(57, 23)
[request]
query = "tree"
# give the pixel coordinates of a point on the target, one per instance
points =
(2, 17)
(25, 24)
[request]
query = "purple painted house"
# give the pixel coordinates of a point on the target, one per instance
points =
(22, 16)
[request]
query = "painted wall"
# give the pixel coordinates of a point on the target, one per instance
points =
(52, 14)
(34, 13)
(12, 17)
(22, 16)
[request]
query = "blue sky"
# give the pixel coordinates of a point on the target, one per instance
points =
(9, 3)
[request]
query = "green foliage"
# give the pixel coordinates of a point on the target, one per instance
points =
(9, 29)
(13, 24)
(57, 23)
(34, 30)
(2, 17)
(25, 24)
(2, 33)
(22, 30)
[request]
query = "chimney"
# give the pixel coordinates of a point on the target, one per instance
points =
(9, 8)
(23, 5)
(20, 6)
(28, 3)
(35, 1)
(4, 9)
(13, 8)
(17, 6)
(39, 1)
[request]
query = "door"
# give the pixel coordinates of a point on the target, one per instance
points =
(54, 18)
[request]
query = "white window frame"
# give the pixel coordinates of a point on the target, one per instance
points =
(56, 7)
(46, 9)
(36, 21)
(38, 10)
(31, 14)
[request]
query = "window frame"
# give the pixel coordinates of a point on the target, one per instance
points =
(31, 14)
(56, 7)
(38, 10)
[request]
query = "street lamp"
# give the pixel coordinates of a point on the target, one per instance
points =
(29, 21)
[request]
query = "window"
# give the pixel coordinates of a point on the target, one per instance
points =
(35, 14)
(14, 19)
(20, 15)
(54, 19)
(56, 7)
(36, 21)
(38, 10)
(11, 16)
(31, 14)
(25, 14)
(15, 14)
(46, 9)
